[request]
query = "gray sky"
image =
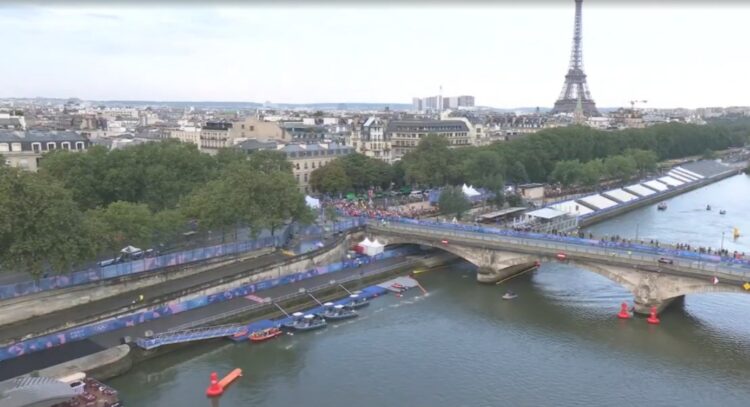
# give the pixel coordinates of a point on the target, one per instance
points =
(687, 55)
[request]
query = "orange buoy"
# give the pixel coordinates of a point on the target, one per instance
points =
(652, 318)
(214, 389)
(624, 314)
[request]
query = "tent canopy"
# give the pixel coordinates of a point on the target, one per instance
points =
(312, 202)
(469, 191)
(130, 250)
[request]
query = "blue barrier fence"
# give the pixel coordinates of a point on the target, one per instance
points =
(154, 263)
(175, 307)
(662, 251)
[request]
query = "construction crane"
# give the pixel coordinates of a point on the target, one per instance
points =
(632, 106)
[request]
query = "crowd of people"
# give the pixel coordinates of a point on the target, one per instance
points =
(361, 208)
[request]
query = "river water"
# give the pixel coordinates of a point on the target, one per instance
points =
(557, 344)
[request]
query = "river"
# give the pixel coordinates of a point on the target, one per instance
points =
(558, 344)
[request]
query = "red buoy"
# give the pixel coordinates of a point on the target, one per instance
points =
(214, 389)
(624, 314)
(652, 318)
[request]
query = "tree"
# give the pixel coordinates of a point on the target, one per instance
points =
(708, 154)
(121, 224)
(331, 213)
(430, 163)
(453, 202)
(567, 172)
(517, 173)
(645, 160)
(41, 228)
(268, 161)
(592, 172)
(620, 167)
(330, 179)
(484, 168)
(514, 200)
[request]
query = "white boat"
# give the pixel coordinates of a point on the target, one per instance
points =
(510, 295)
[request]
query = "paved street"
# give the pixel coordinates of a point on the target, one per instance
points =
(49, 357)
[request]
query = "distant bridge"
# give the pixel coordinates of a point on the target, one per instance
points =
(500, 254)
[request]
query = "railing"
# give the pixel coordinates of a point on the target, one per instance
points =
(696, 263)
(189, 335)
(160, 262)
(250, 308)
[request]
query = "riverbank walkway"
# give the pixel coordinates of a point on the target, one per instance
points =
(72, 350)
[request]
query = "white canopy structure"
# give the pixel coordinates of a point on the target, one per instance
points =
(312, 202)
(371, 248)
(130, 250)
(469, 191)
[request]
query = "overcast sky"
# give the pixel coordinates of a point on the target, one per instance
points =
(685, 55)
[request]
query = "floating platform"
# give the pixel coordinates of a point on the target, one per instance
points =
(406, 282)
(367, 293)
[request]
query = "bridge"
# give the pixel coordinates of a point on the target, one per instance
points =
(500, 254)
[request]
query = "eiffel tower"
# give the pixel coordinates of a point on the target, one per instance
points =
(575, 88)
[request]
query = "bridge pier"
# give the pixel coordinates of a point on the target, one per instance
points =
(644, 307)
(491, 275)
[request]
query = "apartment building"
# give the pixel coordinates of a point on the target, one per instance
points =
(215, 136)
(405, 135)
(24, 149)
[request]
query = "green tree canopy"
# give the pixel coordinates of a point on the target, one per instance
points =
(453, 202)
(121, 224)
(41, 228)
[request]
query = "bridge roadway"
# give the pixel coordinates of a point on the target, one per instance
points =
(502, 254)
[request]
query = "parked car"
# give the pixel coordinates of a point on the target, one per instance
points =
(561, 256)
(665, 260)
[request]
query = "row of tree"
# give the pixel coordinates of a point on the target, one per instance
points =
(566, 154)
(81, 205)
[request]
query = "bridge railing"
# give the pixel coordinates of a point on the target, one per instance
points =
(570, 245)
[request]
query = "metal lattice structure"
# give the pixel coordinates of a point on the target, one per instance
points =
(575, 90)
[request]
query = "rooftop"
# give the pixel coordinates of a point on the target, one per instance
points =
(10, 136)
(426, 125)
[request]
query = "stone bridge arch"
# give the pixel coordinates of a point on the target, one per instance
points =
(492, 264)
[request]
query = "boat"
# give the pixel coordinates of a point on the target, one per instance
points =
(338, 312)
(265, 334)
(88, 392)
(355, 302)
(662, 206)
(708, 207)
(295, 318)
(510, 295)
(722, 212)
(310, 322)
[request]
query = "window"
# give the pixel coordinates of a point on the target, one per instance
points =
(4, 147)
(296, 165)
(313, 165)
(36, 147)
(305, 177)
(16, 147)
(243, 128)
(51, 145)
(320, 163)
(80, 145)
(65, 145)
(305, 168)
(252, 128)
(297, 177)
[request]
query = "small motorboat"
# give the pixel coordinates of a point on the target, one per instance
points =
(337, 312)
(355, 302)
(295, 318)
(662, 206)
(310, 322)
(265, 334)
(722, 212)
(510, 295)
(708, 207)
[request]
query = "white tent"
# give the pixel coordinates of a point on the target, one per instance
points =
(312, 202)
(371, 248)
(130, 250)
(469, 191)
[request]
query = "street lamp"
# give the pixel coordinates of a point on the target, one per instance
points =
(722, 241)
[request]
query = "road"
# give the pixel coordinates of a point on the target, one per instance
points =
(49, 357)
(57, 320)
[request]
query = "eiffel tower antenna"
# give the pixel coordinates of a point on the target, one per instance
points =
(575, 85)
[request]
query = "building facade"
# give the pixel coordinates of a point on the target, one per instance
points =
(369, 138)
(24, 149)
(215, 136)
(304, 157)
(190, 135)
(405, 135)
(440, 103)
(257, 128)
